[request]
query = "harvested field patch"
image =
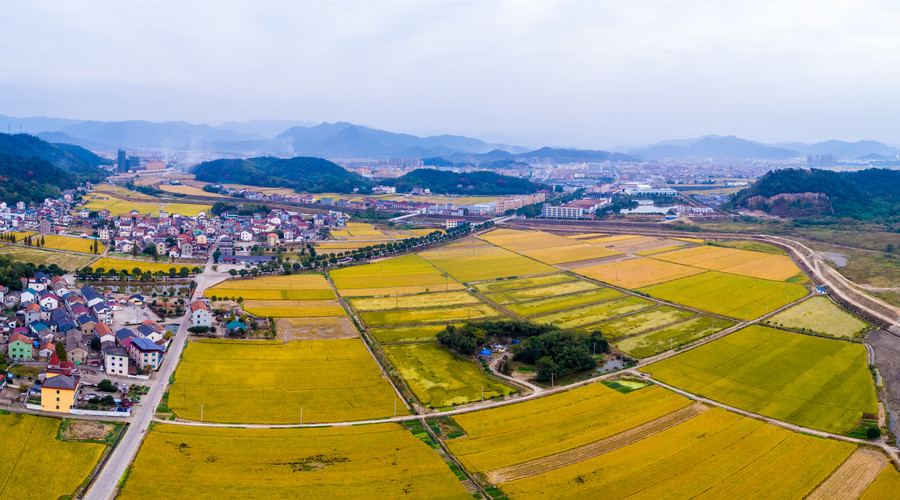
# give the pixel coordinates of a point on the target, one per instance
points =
(513, 434)
(574, 318)
(658, 250)
(513, 284)
(753, 246)
(728, 294)
(189, 190)
(295, 311)
(370, 461)
(431, 315)
(886, 485)
(642, 321)
(88, 429)
(483, 263)
(810, 381)
(853, 476)
(439, 378)
(288, 377)
(412, 301)
(290, 282)
(611, 239)
(657, 341)
(714, 455)
(637, 273)
(551, 304)
(325, 328)
(820, 315)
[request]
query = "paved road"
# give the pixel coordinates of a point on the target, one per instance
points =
(104, 486)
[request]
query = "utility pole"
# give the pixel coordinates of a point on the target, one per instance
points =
(482, 394)
(201, 413)
(301, 415)
(551, 380)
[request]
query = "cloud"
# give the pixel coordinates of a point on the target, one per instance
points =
(599, 72)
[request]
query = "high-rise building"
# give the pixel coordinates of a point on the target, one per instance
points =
(122, 164)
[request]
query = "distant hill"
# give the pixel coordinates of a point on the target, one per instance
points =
(264, 129)
(34, 124)
(74, 159)
(849, 150)
(574, 155)
(313, 175)
(144, 134)
(715, 147)
(863, 194)
(469, 183)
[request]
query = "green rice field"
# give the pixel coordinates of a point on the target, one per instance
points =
(431, 315)
(573, 318)
(820, 315)
(643, 321)
(551, 304)
(657, 341)
(809, 381)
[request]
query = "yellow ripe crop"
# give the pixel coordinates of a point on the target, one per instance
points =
(414, 301)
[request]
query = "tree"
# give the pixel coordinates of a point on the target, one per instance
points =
(61, 351)
(873, 432)
(545, 367)
(106, 385)
(95, 343)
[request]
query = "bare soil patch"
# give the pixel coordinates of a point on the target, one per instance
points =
(887, 360)
(88, 429)
(289, 329)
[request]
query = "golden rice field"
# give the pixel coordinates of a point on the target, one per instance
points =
(414, 301)
(407, 333)
(714, 455)
(605, 240)
(331, 380)
(810, 381)
(735, 261)
(292, 282)
(20, 235)
(409, 270)
(370, 461)
(551, 304)
(515, 240)
(663, 339)
(122, 207)
(186, 209)
(637, 273)
(144, 265)
(820, 315)
(572, 253)
(513, 284)
(431, 315)
(439, 378)
(71, 244)
(532, 429)
(645, 320)
(482, 263)
(468, 241)
(542, 292)
(294, 311)
(582, 316)
(121, 192)
(67, 261)
(401, 290)
(188, 190)
(658, 250)
(269, 294)
(886, 485)
(728, 294)
(586, 236)
(38, 465)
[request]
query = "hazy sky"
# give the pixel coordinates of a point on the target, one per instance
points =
(591, 74)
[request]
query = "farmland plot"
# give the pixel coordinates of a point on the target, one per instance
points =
(885, 485)
(332, 380)
(144, 265)
(728, 294)
(643, 321)
(714, 455)
(482, 263)
(516, 241)
(413, 301)
(657, 341)
(551, 304)
(409, 270)
(538, 291)
(430, 315)
(439, 378)
(67, 261)
(70, 244)
(636, 273)
(415, 333)
(513, 434)
(821, 315)
(809, 381)
(29, 445)
(572, 253)
(371, 461)
(573, 318)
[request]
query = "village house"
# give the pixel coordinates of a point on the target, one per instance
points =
(145, 353)
(115, 358)
(200, 314)
(58, 393)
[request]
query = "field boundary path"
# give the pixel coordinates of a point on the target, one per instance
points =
(595, 449)
(106, 483)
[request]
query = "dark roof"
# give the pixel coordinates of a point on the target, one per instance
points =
(124, 333)
(61, 382)
(115, 350)
(146, 344)
(146, 330)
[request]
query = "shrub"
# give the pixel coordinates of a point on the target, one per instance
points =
(106, 385)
